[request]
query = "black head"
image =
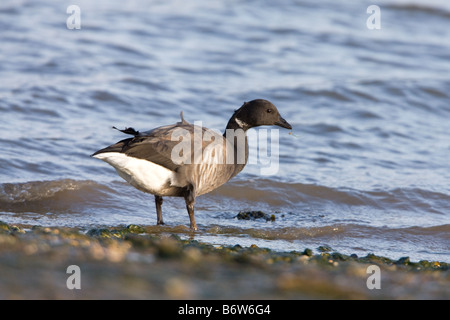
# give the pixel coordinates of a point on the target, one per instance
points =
(256, 113)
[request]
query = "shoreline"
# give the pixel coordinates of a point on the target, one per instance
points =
(150, 262)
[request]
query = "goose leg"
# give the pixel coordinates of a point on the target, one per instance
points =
(190, 209)
(189, 197)
(158, 202)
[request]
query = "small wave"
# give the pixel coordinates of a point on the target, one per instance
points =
(101, 95)
(412, 199)
(329, 231)
(126, 49)
(323, 128)
(434, 92)
(33, 191)
(332, 94)
(286, 233)
(277, 193)
(146, 84)
(290, 194)
(420, 8)
(442, 231)
(44, 196)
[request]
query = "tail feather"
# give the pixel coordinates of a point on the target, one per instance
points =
(117, 147)
(182, 119)
(129, 131)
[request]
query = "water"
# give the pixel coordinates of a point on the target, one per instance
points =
(366, 169)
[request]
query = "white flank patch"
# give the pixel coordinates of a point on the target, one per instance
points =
(142, 174)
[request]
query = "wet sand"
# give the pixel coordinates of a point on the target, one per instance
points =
(153, 262)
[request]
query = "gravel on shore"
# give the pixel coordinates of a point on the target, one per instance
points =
(154, 262)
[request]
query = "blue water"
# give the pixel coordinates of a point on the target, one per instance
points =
(365, 168)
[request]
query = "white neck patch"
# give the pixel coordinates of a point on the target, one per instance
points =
(241, 123)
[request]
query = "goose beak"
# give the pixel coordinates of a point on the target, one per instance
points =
(283, 123)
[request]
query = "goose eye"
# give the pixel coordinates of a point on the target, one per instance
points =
(269, 110)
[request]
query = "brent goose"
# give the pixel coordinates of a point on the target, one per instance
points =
(186, 160)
